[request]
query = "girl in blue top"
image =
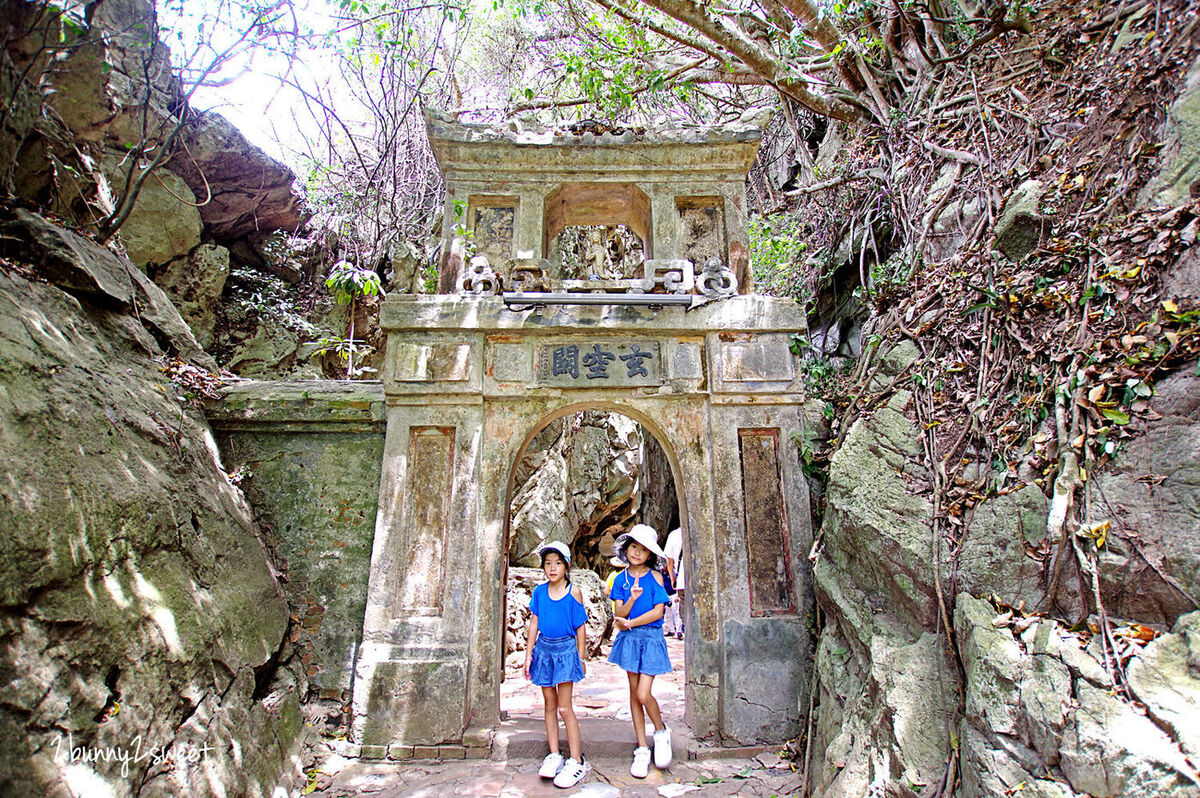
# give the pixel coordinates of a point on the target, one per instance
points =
(640, 649)
(557, 640)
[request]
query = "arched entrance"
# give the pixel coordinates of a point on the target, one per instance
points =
(650, 429)
(468, 382)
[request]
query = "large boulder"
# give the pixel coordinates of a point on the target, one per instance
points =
(243, 190)
(140, 607)
(163, 224)
(1021, 225)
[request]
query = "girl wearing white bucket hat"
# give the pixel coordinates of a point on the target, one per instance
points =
(640, 649)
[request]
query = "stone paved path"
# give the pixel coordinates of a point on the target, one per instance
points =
(602, 705)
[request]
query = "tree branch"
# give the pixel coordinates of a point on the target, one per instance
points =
(721, 32)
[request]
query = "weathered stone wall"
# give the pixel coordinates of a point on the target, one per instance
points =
(139, 604)
(309, 456)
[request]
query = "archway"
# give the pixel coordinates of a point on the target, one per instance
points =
(601, 694)
(470, 377)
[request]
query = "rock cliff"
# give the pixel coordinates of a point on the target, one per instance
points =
(1009, 596)
(143, 629)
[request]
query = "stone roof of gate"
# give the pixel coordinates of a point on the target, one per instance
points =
(523, 154)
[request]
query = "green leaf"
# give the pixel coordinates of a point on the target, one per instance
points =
(979, 307)
(1116, 416)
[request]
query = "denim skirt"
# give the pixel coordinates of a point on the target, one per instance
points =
(555, 660)
(641, 649)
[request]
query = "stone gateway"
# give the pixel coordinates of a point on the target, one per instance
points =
(513, 343)
(473, 377)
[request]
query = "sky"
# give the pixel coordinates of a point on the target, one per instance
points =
(246, 89)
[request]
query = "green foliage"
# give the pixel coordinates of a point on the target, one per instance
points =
(778, 255)
(613, 68)
(797, 343)
(821, 374)
(893, 273)
(429, 274)
(344, 349)
(267, 297)
(806, 449)
(348, 282)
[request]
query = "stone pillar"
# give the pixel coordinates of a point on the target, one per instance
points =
(417, 641)
(531, 214)
(765, 533)
(738, 236)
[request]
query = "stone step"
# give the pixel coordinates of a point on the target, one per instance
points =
(524, 738)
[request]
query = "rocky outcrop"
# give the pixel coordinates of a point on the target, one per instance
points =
(258, 335)
(141, 616)
(887, 686)
(195, 284)
(1041, 710)
(1150, 569)
(111, 103)
(1178, 180)
(581, 485)
(243, 190)
(1039, 706)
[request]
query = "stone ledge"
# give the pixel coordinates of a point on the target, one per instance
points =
(461, 314)
(301, 405)
(696, 751)
(397, 753)
(373, 752)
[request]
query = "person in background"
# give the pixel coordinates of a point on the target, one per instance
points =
(673, 625)
(619, 565)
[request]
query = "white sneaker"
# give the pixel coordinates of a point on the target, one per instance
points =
(551, 765)
(641, 763)
(662, 748)
(572, 773)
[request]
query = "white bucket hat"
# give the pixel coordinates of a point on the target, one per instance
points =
(556, 546)
(643, 534)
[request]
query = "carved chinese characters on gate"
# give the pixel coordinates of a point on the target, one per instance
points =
(600, 364)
